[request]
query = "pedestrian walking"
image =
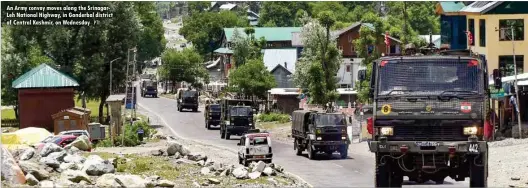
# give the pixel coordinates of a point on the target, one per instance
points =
(140, 133)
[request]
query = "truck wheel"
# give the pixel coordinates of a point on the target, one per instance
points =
(311, 152)
(382, 177)
(343, 150)
(207, 125)
(246, 163)
(227, 135)
(222, 136)
(239, 160)
(298, 148)
(195, 109)
(477, 172)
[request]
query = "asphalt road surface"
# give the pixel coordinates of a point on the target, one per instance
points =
(356, 171)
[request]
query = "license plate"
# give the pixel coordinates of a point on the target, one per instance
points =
(473, 148)
(420, 144)
(259, 156)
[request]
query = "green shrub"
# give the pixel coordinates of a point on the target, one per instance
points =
(281, 118)
(130, 138)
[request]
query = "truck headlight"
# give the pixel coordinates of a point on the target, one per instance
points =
(319, 138)
(470, 130)
(251, 124)
(343, 138)
(386, 131)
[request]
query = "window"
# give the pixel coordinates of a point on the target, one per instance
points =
(392, 49)
(482, 34)
(506, 64)
(471, 28)
(446, 32)
(259, 141)
(505, 32)
(348, 68)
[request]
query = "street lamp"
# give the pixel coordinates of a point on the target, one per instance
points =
(111, 73)
(515, 79)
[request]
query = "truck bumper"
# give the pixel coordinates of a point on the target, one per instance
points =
(259, 157)
(472, 146)
(329, 143)
(151, 93)
(213, 122)
(189, 105)
(237, 129)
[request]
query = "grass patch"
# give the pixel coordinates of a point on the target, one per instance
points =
(93, 105)
(282, 118)
(8, 114)
(272, 125)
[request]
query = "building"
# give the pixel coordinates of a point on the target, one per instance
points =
(42, 92)
(253, 18)
(281, 64)
(452, 24)
(276, 37)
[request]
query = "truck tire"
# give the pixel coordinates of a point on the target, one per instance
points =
(222, 136)
(343, 151)
(298, 148)
(311, 152)
(478, 172)
(383, 176)
(240, 160)
(195, 109)
(227, 135)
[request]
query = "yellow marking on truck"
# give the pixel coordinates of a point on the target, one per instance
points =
(386, 109)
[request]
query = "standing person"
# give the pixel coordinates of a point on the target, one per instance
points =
(488, 129)
(513, 102)
(140, 133)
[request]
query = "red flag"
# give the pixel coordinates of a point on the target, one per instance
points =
(387, 41)
(469, 37)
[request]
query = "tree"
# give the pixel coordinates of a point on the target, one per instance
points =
(246, 47)
(196, 7)
(320, 59)
(184, 66)
(151, 40)
(280, 13)
(252, 79)
(205, 29)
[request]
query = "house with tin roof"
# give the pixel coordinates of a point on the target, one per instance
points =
(42, 92)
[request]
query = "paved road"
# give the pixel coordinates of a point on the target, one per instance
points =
(356, 171)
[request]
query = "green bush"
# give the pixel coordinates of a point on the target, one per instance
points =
(281, 118)
(130, 138)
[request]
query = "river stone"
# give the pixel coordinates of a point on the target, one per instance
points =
(173, 148)
(74, 158)
(259, 167)
(31, 180)
(50, 148)
(132, 181)
(268, 171)
(240, 173)
(254, 175)
(166, 183)
(96, 166)
(108, 181)
(27, 154)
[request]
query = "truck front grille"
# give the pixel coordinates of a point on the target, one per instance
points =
(330, 137)
(426, 133)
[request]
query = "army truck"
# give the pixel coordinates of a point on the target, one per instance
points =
(428, 118)
(319, 132)
(236, 117)
(187, 99)
(149, 88)
(212, 115)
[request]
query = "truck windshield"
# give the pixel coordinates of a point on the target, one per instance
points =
(429, 77)
(240, 111)
(259, 141)
(190, 94)
(330, 119)
(215, 108)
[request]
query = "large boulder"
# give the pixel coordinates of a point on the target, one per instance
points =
(31, 180)
(254, 175)
(197, 157)
(268, 171)
(27, 154)
(68, 166)
(51, 162)
(132, 181)
(109, 181)
(77, 159)
(34, 169)
(240, 173)
(259, 167)
(96, 166)
(50, 148)
(59, 156)
(173, 148)
(82, 142)
(75, 176)
(11, 172)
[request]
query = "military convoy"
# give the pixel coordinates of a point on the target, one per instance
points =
(236, 117)
(212, 115)
(428, 119)
(187, 99)
(319, 132)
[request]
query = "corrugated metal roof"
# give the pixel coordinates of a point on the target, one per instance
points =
(44, 76)
(480, 6)
(228, 6)
(274, 57)
(223, 51)
(452, 6)
(269, 33)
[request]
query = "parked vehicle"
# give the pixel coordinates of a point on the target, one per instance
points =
(61, 140)
(320, 132)
(212, 115)
(254, 147)
(75, 133)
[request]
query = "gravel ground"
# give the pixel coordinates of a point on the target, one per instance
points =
(507, 161)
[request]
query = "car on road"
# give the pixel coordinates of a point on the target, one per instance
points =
(320, 132)
(428, 118)
(212, 115)
(255, 147)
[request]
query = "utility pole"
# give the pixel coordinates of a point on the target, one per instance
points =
(511, 28)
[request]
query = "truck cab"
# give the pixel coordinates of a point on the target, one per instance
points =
(320, 132)
(187, 99)
(254, 147)
(149, 88)
(428, 117)
(236, 117)
(212, 115)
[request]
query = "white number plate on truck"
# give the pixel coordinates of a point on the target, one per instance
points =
(420, 144)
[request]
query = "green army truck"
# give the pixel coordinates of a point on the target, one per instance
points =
(236, 117)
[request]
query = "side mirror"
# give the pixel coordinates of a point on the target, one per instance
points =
(497, 79)
(362, 75)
